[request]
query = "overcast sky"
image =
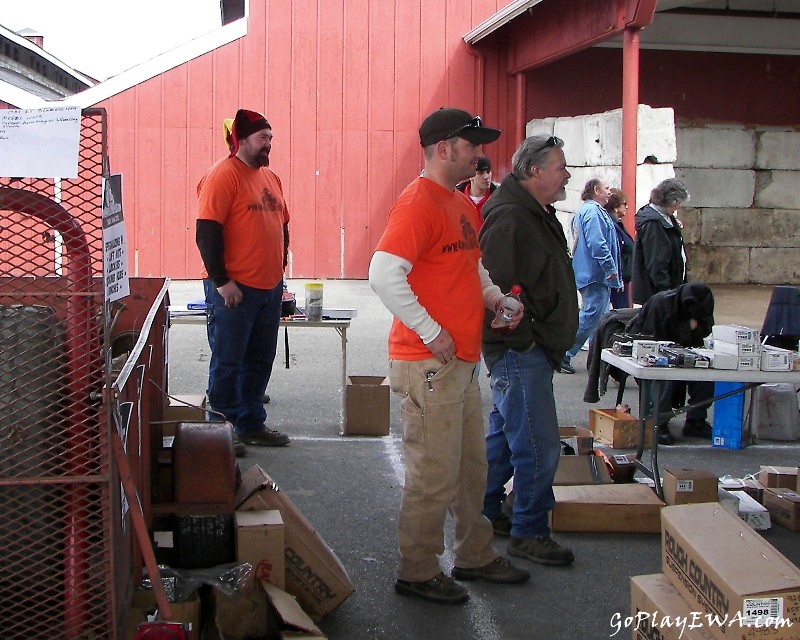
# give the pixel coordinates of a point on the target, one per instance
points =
(104, 37)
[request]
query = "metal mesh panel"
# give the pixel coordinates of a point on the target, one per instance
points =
(56, 489)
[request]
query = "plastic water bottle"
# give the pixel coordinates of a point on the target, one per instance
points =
(507, 309)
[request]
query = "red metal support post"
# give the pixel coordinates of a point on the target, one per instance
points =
(630, 124)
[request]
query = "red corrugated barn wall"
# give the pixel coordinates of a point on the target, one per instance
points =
(344, 84)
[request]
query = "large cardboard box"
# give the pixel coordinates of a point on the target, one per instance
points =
(686, 486)
(579, 439)
(617, 429)
(260, 541)
(621, 508)
(367, 402)
(292, 620)
(314, 575)
(747, 484)
(778, 477)
(722, 567)
(784, 507)
(656, 606)
(574, 470)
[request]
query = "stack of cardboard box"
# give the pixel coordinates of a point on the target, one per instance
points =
(719, 579)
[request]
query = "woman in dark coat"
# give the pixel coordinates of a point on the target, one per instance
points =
(659, 257)
(617, 207)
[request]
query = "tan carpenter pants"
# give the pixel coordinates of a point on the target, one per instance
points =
(445, 459)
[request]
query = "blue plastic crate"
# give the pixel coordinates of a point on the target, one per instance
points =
(731, 425)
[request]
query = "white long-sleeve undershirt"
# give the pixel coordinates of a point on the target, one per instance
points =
(388, 277)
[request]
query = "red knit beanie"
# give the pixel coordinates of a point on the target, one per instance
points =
(245, 123)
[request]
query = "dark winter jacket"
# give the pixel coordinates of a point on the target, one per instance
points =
(658, 262)
(523, 243)
(666, 315)
(625, 250)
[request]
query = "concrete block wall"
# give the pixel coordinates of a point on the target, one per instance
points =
(742, 224)
(745, 204)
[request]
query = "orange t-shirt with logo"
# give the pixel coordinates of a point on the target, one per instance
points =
(434, 229)
(249, 205)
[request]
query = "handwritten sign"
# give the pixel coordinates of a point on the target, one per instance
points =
(40, 143)
(115, 246)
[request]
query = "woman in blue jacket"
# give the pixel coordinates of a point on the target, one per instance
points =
(595, 260)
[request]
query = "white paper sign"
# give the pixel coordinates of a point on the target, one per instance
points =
(115, 247)
(40, 143)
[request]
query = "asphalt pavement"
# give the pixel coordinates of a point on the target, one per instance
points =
(349, 487)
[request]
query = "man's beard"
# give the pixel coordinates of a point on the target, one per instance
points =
(561, 195)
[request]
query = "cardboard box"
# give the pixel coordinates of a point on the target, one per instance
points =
(622, 508)
(753, 513)
(367, 402)
(642, 348)
(144, 602)
(686, 486)
(748, 484)
(314, 575)
(778, 477)
(719, 360)
(292, 620)
(178, 409)
(748, 363)
(728, 500)
(784, 507)
(738, 349)
(260, 541)
(617, 429)
(655, 605)
(574, 470)
(579, 439)
(720, 566)
(734, 333)
(775, 359)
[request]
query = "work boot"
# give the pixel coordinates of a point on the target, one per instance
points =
(501, 525)
(664, 436)
(440, 589)
(265, 438)
(499, 570)
(566, 367)
(697, 429)
(543, 550)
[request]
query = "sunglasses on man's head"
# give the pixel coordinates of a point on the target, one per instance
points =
(552, 141)
(475, 123)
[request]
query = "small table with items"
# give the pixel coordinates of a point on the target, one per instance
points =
(180, 315)
(649, 380)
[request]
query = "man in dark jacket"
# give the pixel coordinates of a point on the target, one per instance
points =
(684, 315)
(659, 257)
(523, 243)
(480, 186)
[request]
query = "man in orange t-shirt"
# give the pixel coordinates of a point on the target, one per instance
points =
(427, 271)
(243, 236)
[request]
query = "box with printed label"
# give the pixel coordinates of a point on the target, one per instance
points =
(753, 513)
(775, 359)
(642, 348)
(720, 566)
(739, 349)
(656, 606)
(314, 575)
(719, 360)
(618, 429)
(734, 333)
(685, 486)
(784, 507)
(260, 541)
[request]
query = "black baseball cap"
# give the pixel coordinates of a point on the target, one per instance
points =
(455, 123)
(484, 164)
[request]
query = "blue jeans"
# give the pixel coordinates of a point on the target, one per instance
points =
(523, 441)
(243, 342)
(596, 298)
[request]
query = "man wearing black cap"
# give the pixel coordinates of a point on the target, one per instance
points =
(480, 186)
(242, 234)
(427, 271)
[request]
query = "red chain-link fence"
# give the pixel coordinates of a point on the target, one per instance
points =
(62, 531)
